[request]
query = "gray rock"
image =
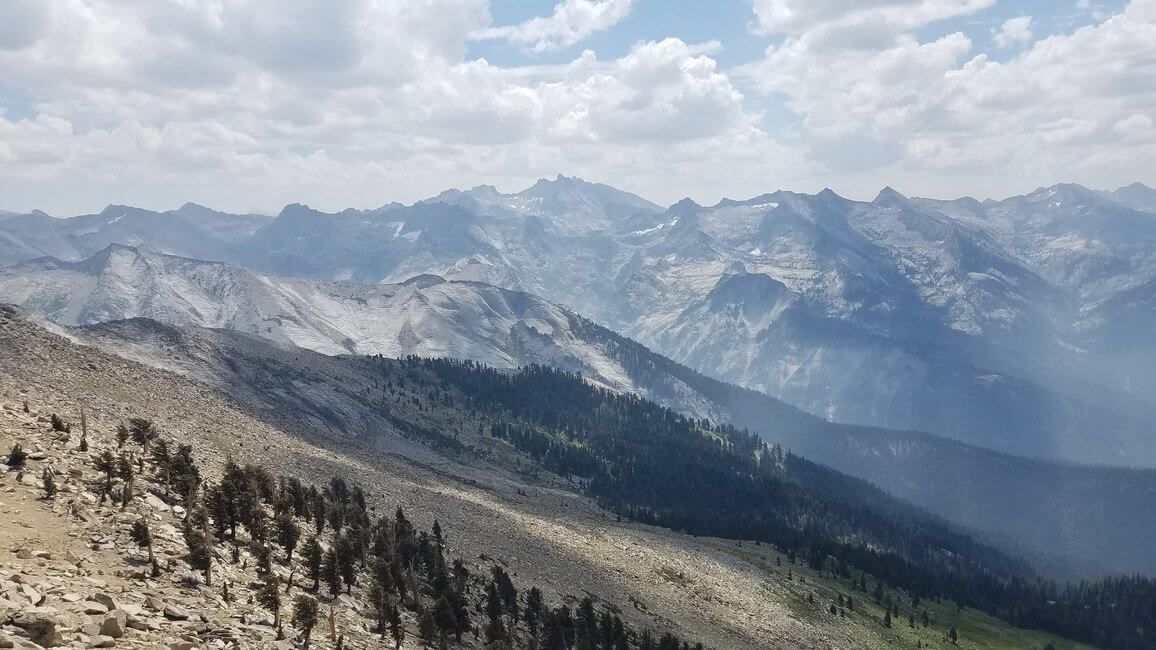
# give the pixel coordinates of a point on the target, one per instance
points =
(176, 613)
(105, 599)
(33, 596)
(40, 624)
(103, 641)
(93, 607)
(115, 623)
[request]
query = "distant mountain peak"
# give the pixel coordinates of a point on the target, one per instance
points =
(889, 196)
(1137, 185)
(294, 209)
(189, 206)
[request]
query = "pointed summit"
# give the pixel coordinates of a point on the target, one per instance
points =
(888, 197)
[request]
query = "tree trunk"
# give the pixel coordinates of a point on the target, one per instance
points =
(208, 551)
(127, 496)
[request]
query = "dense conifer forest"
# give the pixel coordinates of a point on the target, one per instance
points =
(646, 462)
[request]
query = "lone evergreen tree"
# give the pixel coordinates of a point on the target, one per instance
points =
(887, 619)
(952, 634)
(305, 616)
(17, 457)
(142, 536)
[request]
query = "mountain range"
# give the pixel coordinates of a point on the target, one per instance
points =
(1019, 325)
(127, 297)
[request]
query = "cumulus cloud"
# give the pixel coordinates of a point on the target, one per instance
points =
(1059, 110)
(571, 22)
(255, 103)
(376, 101)
(1013, 32)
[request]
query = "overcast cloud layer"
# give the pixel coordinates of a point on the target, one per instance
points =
(244, 104)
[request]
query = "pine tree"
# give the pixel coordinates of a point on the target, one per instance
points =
(126, 472)
(143, 433)
(288, 533)
(57, 423)
(887, 619)
(141, 534)
(446, 619)
(346, 556)
(269, 597)
(17, 457)
(106, 464)
(952, 634)
(121, 435)
(331, 572)
(380, 603)
(426, 625)
(305, 616)
(533, 610)
(313, 556)
(495, 629)
(196, 541)
(396, 630)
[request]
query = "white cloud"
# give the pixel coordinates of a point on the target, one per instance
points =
(571, 22)
(167, 101)
(255, 103)
(941, 115)
(1013, 32)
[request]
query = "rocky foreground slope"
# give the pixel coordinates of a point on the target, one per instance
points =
(63, 556)
(548, 536)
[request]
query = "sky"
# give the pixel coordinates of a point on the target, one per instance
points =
(252, 104)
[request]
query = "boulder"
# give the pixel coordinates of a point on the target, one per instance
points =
(93, 607)
(33, 596)
(176, 613)
(103, 641)
(105, 599)
(41, 624)
(115, 623)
